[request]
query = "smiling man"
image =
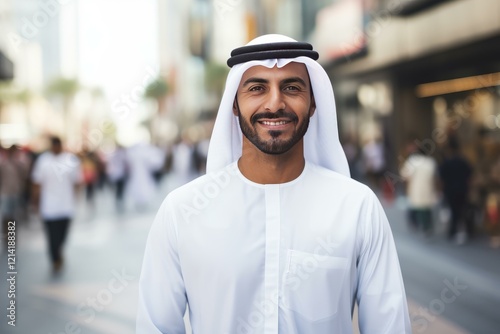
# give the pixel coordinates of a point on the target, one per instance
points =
(276, 238)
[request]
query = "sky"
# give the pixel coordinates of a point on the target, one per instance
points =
(118, 44)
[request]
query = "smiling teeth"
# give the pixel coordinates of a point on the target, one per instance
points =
(274, 123)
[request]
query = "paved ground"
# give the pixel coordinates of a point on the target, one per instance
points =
(97, 292)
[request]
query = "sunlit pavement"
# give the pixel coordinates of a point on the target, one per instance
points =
(451, 289)
(458, 284)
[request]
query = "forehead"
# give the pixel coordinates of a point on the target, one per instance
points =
(291, 69)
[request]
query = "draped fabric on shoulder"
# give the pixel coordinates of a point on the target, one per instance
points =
(321, 142)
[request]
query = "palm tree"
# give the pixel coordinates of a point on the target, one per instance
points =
(64, 89)
(9, 93)
(157, 90)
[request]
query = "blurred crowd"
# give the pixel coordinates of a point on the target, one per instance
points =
(452, 184)
(47, 184)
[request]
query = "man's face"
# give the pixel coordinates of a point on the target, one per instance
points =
(274, 106)
(56, 148)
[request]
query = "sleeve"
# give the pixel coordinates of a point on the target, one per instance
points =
(162, 295)
(381, 295)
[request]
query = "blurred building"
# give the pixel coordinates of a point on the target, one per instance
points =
(401, 70)
(53, 26)
(39, 38)
(6, 65)
(423, 69)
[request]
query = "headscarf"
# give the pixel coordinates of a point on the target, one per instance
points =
(321, 142)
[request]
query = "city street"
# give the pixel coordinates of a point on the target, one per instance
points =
(451, 289)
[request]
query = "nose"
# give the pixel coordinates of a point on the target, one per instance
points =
(274, 100)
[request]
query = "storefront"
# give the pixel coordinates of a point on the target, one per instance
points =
(454, 91)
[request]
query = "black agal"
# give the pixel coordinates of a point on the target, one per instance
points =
(271, 51)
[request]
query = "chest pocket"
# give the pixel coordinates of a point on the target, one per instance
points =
(313, 284)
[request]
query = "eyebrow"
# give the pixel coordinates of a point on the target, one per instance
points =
(265, 81)
(293, 80)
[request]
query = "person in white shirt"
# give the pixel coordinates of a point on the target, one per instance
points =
(142, 160)
(421, 175)
(276, 237)
(55, 176)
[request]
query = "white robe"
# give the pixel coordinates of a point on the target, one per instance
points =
(142, 161)
(279, 258)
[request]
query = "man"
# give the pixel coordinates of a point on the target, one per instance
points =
(13, 176)
(55, 175)
(420, 173)
(456, 173)
(276, 238)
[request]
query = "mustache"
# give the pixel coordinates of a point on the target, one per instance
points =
(273, 115)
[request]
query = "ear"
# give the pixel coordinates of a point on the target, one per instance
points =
(312, 108)
(235, 107)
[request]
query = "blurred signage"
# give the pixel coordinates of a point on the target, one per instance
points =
(340, 30)
(6, 68)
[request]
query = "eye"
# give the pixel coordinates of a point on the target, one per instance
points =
(255, 88)
(292, 88)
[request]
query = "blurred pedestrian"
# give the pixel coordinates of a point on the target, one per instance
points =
(421, 176)
(493, 204)
(117, 173)
(55, 176)
(200, 156)
(455, 174)
(373, 160)
(183, 162)
(13, 175)
(142, 160)
(276, 237)
(92, 168)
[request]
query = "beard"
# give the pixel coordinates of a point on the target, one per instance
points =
(275, 145)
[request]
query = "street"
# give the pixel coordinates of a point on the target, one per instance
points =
(451, 289)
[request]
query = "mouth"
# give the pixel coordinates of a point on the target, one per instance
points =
(274, 124)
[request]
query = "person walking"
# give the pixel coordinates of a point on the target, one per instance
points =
(55, 176)
(420, 174)
(373, 158)
(276, 237)
(142, 160)
(117, 174)
(455, 174)
(13, 176)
